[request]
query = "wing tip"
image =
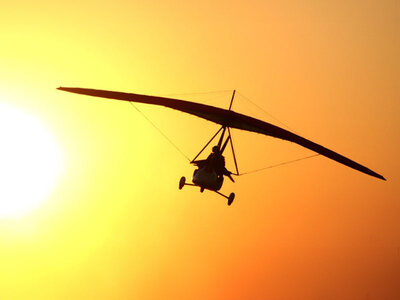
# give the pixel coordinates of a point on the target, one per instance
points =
(68, 89)
(379, 176)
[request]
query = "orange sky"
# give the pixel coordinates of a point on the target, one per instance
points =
(117, 227)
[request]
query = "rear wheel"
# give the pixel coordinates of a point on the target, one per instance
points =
(231, 198)
(182, 182)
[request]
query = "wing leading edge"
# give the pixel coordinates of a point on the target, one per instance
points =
(226, 118)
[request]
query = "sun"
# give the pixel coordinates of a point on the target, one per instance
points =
(30, 162)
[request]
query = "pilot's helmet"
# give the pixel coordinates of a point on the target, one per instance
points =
(215, 149)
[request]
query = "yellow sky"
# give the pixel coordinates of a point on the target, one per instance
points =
(116, 226)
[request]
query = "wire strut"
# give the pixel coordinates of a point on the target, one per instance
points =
(280, 164)
(162, 133)
(265, 112)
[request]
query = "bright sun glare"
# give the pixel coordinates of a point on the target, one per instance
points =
(30, 162)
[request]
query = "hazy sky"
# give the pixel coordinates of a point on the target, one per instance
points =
(114, 224)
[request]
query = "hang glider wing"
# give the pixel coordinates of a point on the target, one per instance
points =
(226, 118)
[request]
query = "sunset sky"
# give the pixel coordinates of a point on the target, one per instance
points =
(89, 199)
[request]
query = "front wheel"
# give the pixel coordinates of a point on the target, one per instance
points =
(182, 182)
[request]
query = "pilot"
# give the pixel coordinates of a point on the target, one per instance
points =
(217, 161)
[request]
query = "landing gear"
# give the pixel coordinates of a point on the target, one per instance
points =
(231, 198)
(182, 182)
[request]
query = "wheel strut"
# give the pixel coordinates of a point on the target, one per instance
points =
(230, 198)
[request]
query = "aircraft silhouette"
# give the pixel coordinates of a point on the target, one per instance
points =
(211, 171)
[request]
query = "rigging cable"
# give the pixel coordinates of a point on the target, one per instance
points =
(267, 113)
(199, 93)
(280, 164)
(283, 124)
(159, 130)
